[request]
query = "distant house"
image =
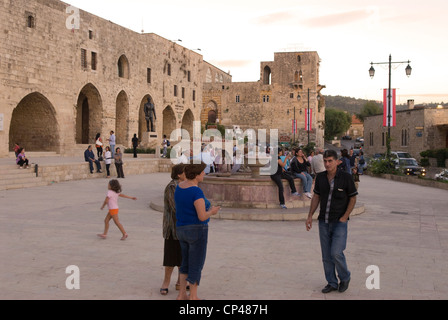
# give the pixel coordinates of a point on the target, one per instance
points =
(418, 128)
(356, 128)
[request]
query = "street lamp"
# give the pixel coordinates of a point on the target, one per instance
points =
(308, 111)
(389, 95)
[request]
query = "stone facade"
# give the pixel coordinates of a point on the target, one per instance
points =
(271, 102)
(417, 130)
(60, 86)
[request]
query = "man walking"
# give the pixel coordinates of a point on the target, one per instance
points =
(335, 192)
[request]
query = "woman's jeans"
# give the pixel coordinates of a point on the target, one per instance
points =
(193, 245)
(333, 239)
(307, 180)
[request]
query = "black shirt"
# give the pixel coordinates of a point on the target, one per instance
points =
(344, 188)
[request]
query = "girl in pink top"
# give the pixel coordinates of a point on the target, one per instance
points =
(114, 191)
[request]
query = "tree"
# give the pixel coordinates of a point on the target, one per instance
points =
(370, 108)
(336, 123)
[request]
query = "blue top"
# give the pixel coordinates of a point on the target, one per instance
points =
(185, 211)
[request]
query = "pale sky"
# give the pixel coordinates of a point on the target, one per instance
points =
(347, 34)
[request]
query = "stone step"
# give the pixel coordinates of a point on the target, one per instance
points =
(38, 183)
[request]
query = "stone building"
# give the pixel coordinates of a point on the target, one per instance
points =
(356, 129)
(66, 75)
(417, 129)
(271, 102)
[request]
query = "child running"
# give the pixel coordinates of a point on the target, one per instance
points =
(114, 191)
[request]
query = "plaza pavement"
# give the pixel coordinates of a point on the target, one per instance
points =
(43, 230)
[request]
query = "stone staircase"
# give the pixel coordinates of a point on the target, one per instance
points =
(11, 177)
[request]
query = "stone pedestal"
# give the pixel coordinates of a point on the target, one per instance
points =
(149, 140)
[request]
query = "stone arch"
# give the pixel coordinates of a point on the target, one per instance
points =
(123, 67)
(187, 122)
(267, 75)
(210, 107)
(169, 121)
(122, 119)
(89, 114)
(34, 125)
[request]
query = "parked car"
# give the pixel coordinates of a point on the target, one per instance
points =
(346, 138)
(410, 166)
(400, 155)
(442, 176)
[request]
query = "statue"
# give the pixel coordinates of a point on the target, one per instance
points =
(149, 112)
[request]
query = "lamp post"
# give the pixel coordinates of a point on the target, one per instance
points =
(308, 109)
(389, 95)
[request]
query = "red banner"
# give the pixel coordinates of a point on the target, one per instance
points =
(389, 110)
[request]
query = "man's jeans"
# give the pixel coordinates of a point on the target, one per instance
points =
(333, 239)
(193, 244)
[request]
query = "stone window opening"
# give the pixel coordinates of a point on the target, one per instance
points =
(30, 20)
(175, 90)
(267, 75)
(237, 98)
(90, 34)
(148, 75)
(84, 59)
(94, 60)
(123, 67)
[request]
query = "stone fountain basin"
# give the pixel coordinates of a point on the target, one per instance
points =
(243, 191)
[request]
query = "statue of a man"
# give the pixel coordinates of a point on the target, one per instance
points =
(150, 114)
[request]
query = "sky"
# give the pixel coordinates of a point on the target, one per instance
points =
(236, 35)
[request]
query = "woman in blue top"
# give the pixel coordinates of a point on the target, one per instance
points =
(193, 212)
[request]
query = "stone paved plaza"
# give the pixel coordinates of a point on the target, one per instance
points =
(404, 231)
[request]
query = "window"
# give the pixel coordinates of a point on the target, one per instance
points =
(291, 95)
(404, 137)
(194, 95)
(148, 75)
(267, 75)
(30, 20)
(90, 34)
(169, 69)
(84, 59)
(237, 98)
(183, 93)
(266, 98)
(383, 139)
(189, 76)
(123, 67)
(94, 60)
(371, 139)
(175, 90)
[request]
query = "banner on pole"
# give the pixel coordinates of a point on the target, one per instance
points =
(389, 109)
(308, 119)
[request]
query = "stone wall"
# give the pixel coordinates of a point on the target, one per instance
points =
(49, 74)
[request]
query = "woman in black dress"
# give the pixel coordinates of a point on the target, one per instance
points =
(172, 256)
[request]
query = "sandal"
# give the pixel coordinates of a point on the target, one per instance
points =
(101, 236)
(163, 291)
(124, 237)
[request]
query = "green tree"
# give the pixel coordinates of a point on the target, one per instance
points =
(336, 123)
(370, 108)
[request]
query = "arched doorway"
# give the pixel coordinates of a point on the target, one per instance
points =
(89, 115)
(34, 125)
(169, 121)
(267, 75)
(122, 119)
(209, 112)
(187, 122)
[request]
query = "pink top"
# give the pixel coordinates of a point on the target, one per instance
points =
(113, 199)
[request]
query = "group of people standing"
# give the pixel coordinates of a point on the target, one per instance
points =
(110, 153)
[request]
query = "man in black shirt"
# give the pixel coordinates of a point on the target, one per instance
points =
(335, 192)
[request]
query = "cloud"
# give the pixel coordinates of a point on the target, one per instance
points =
(336, 19)
(274, 18)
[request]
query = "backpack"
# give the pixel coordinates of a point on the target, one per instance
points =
(168, 143)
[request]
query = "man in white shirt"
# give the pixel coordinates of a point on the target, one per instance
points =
(317, 163)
